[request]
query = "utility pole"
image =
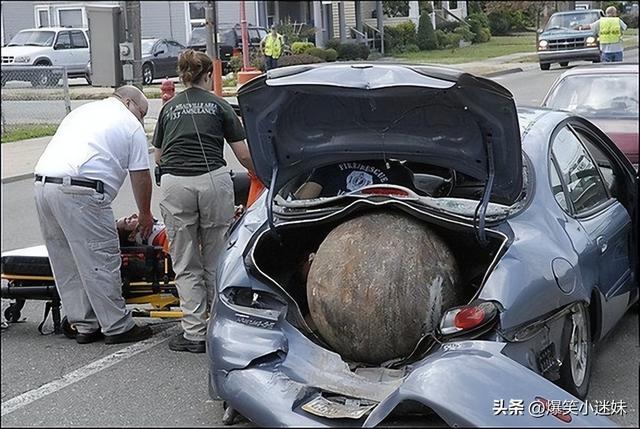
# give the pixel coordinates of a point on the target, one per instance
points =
(380, 19)
(134, 36)
(211, 18)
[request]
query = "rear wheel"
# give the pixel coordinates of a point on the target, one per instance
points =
(544, 66)
(564, 64)
(575, 371)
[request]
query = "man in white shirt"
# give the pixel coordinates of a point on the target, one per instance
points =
(77, 177)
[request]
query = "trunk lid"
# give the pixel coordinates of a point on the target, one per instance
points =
(304, 117)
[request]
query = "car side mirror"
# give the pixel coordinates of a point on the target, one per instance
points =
(539, 30)
(155, 54)
(60, 46)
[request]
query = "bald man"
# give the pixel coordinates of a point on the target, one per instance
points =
(76, 179)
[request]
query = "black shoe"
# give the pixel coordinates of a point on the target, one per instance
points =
(137, 333)
(181, 344)
(90, 337)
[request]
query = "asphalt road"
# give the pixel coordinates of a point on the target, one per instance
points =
(153, 386)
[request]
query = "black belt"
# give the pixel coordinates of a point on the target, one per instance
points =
(85, 183)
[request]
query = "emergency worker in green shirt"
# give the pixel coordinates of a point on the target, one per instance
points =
(609, 29)
(196, 190)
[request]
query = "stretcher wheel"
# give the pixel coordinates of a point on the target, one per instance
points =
(12, 314)
(68, 329)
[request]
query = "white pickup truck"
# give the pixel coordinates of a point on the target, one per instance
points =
(51, 46)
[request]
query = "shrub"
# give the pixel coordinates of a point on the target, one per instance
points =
(301, 47)
(453, 40)
(398, 36)
(333, 44)
(256, 60)
(426, 37)
(235, 63)
(477, 22)
(317, 52)
(330, 55)
(484, 35)
(465, 33)
(411, 47)
(447, 26)
(294, 60)
(499, 23)
(441, 38)
(352, 51)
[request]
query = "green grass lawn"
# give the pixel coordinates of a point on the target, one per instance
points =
(28, 131)
(496, 47)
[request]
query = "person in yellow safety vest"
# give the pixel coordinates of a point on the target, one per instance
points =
(609, 30)
(271, 46)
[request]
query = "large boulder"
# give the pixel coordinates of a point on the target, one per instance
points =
(378, 283)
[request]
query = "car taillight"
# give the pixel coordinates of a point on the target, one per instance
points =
(387, 192)
(467, 318)
(236, 52)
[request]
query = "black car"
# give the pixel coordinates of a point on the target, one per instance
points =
(159, 59)
(229, 41)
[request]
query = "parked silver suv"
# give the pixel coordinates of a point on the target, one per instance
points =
(51, 46)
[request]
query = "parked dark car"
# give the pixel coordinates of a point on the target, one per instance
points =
(568, 36)
(160, 59)
(606, 94)
(229, 41)
(539, 208)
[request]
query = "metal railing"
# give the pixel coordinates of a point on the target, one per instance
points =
(33, 97)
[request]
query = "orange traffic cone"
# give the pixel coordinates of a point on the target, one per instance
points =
(255, 189)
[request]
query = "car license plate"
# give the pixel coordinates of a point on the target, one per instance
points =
(338, 409)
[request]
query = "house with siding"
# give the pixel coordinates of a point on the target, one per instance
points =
(176, 19)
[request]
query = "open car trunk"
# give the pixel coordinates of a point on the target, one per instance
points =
(283, 257)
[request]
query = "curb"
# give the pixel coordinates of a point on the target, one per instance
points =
(503, 72)
(19, 177)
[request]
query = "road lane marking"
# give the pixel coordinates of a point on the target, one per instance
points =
(26, 398)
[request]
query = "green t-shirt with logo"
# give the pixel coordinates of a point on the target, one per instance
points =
(213, 118)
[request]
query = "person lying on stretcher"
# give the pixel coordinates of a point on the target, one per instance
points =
(129, 236)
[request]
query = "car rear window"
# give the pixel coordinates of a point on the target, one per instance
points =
(597, 95)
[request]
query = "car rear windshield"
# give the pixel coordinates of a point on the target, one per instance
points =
(572, 21)
(598, 95)
(33, 38)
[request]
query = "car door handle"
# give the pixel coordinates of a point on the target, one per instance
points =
(602, 244)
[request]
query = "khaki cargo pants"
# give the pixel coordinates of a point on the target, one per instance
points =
(197, 211)
(79, 231)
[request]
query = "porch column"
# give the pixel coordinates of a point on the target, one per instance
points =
(433, 15)
(342, 23)
(262, 14)
(359, 25)
(276, 9)
(414, 12)
(317, 22)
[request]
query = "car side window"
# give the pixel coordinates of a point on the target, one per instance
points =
(63, 41)
(161, 48)
(175, 48)
(78, 40)
(556, 187)
(605, 164)
(578, 172)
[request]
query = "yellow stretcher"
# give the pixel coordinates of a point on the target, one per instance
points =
(147, 284)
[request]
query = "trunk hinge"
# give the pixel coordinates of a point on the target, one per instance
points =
(479, 218)
(274, 177)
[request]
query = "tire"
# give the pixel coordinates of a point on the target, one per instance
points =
(575, 371)
(44, 78)
(545, 66)
(147, 74)
(12, 314)
(564, 64)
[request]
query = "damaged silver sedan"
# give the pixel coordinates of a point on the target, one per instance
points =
(422, 248)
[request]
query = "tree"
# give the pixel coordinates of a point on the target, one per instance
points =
(426, 36)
